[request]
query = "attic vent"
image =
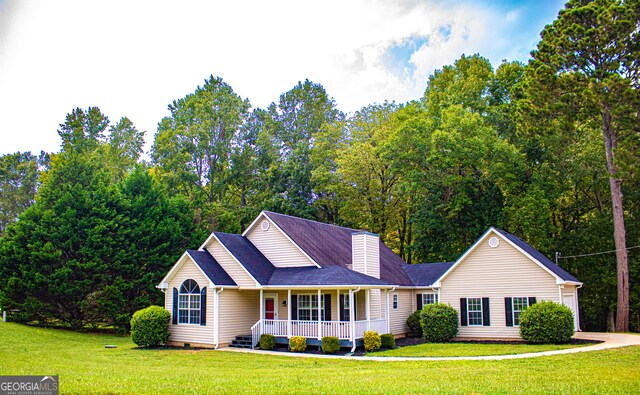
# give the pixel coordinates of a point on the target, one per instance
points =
(493, 242)
(264, 225)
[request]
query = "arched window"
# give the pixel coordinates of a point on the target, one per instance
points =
(189, 303)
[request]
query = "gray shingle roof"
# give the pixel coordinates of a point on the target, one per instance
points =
(330, 245)
(266, 274)
(549, 264)
(211, 267)
(331, 275)
(425, 274)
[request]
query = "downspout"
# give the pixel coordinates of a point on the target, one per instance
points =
(389, 311)
(216, 327)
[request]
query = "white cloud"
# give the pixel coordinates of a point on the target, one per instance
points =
(133, 58)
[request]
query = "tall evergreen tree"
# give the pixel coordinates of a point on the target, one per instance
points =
(590, 57)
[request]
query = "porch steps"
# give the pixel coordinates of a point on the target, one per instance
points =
(243, 341)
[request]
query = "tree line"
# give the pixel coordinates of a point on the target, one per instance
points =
(545, 150)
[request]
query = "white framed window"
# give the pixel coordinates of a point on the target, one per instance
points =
(429, 299)
(519, 304)
(474, 311)
(308, 307)
(189, 303)
(395, 301)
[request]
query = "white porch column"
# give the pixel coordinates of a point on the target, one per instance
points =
(289, 313)
(261, 304)
(352, 326)
(319, 315)
(367, 307)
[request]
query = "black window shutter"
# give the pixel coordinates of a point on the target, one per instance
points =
(485, 312)
(463, 311)
(508, 311)
(327, 307)
(203, 306)
(419, 301)
(294, 307)
(174, 319)
(532, 300)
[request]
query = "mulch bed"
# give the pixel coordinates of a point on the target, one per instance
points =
(413, 341)
(318, 350)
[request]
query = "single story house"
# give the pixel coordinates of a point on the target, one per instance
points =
(288, 276)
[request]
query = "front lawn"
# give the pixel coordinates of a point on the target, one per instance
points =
(469, 349)
(85, 366)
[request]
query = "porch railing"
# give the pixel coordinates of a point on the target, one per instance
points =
(309, 329)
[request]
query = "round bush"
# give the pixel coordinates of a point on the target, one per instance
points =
(372, 341)
(298, 343)
(330, 344)
(387, 341)
(150, 326)
(439, 322)
(546, 322)
(413, 322)
(267, 342)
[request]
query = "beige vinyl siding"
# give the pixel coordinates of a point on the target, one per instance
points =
(230, 265)
(360, 305)
(496, 273)
(375, 308)
(276, 246)
(373, 255)
(239, 310)
(572, 290)
(357, 253)
(190, 333)
(365, 254)
(398, 318)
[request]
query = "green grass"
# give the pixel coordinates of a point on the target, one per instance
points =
(85, 366)
(469, 349)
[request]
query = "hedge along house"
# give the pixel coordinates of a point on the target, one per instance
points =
(288, 276)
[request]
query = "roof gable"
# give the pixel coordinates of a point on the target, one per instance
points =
(538, 256)
(275, 239)
(526, 249)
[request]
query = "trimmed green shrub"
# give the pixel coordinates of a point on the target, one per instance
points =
(413, 322)
(546, 322)
(372, 341)
(298, 343)
(150, 326)
(439, 322)
(267, 342)
(387, 341)
(330, 344)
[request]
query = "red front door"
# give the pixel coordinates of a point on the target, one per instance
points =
(269, 309)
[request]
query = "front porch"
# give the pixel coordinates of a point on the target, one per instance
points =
(352, 317)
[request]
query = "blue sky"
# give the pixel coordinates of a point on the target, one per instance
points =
(132, 58)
